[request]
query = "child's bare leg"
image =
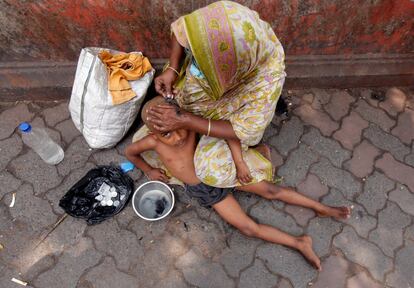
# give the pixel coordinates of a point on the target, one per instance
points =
(230, 210)
(271, 191)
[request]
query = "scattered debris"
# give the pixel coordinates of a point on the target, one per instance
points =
(185, 226)
(152, 241)
(177, 222)
(13, 200)
(1, 247)
(378, 95)
(51, 230)
(188, 205)
(19, 282)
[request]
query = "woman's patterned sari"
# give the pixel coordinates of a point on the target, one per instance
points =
(234, 71)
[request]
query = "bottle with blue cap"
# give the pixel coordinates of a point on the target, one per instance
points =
(41, 143)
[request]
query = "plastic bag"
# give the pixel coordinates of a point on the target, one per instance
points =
(80, 200)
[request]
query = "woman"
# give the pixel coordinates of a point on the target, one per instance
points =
(228, 70)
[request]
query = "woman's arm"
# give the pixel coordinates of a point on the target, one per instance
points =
(243, 172)
(165, 118)
(164, 83)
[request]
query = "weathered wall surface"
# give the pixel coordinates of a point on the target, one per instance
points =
(57, 29)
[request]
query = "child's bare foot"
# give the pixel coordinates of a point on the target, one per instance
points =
(305, 247)
(335, 212)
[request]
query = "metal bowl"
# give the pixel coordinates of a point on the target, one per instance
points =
(153, 200)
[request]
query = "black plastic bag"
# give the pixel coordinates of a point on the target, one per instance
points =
(80, 200)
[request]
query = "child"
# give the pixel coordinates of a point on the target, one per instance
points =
(176, 150)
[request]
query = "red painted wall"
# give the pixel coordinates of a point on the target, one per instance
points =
(58, 29)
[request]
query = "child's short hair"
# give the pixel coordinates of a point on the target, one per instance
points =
(157, 100)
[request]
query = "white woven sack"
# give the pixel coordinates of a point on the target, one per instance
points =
(102, 124)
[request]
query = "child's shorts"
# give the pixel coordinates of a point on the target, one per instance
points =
(206, 195)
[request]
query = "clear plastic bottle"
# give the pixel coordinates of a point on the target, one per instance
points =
(41, 143)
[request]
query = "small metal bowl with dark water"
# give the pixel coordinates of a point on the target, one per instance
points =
(153, 200)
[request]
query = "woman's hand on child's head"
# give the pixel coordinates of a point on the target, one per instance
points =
(243, 173)
(157, 174)
(165, 118)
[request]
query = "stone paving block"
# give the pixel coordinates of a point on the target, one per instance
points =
(8, 183)
(158, 260)
(203, 234)
(403, 198)
(240, 253)
(31, 168)
(296, 167)
(288, 137)
(321, 97)
(312, 187)
(265, 214)
(389, 232)
(336, 178)
(257, 276)
(70, 266)
(394, 101)
(98, 276)
(56, 114)
(405, 127)
(362, 161)
(9, 148)
(326, 147)
(333, 274)
(409, 234)
(11, 118)
(277, 159)
(68, 130)
(307, 98)
(108, 156)
(32, 210)
(396, 170)
(173, 280)
(351, 129)
(316, 118)
(364, 253)
(76, 156)
(200, 272)
(375, 192)
(360, 220)
(339, 105)
(374, 115)
(284, 284)
(287, 263)
(409, 159)
(269, 133)
(361, 280)
(386, 142)
(301, 215)
(118, 243)
(322, 230)
(54, 195)
(403, 275)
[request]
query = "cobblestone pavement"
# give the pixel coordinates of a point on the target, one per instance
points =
(342, 147)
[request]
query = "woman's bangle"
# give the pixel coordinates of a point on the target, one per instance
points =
(176, 72)
(209, 127)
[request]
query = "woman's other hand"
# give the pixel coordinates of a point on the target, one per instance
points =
(165, 82)
(166, 118)
(157, 174)
(243, 173)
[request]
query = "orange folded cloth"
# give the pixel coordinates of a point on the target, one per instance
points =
(121, 68)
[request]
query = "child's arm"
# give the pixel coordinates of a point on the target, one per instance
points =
(243, 173)
(133, 151)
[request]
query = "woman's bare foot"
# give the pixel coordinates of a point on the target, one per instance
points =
(264, 150)
(335, 212)
(305, 247)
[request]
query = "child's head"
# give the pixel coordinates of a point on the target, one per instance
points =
(173, 138)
